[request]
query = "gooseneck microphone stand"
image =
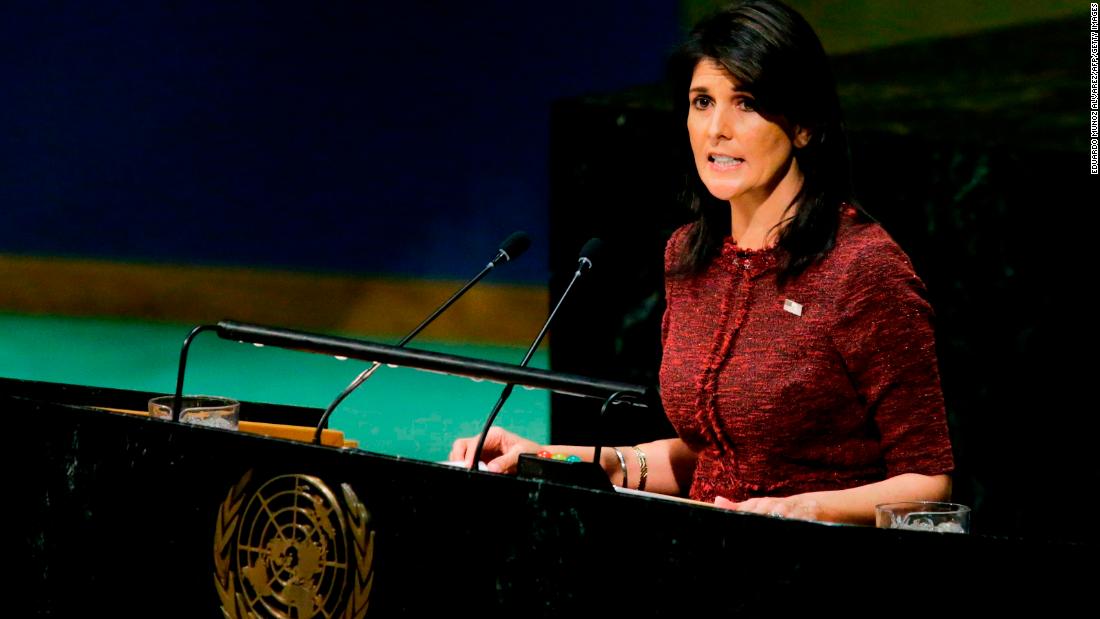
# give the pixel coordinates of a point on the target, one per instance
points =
(510, 249)
(584, 264)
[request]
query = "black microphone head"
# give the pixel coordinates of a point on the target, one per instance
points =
(590, 251)
(514, 246)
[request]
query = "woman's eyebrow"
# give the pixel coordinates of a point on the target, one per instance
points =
(734, 89)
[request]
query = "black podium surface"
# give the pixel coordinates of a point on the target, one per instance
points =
(120, 515)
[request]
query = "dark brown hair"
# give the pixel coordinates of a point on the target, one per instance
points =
(777, 58)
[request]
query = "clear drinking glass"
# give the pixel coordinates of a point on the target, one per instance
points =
(204, 410)
(923, 516)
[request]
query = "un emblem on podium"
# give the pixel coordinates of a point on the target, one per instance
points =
(293, 549)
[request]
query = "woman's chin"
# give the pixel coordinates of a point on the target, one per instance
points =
(724, 192)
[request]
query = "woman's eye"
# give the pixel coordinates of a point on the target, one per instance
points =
(701, 102)
(746, 105)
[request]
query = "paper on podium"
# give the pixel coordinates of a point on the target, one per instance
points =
(462, 465)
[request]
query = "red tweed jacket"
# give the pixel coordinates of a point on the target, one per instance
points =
(828, 383)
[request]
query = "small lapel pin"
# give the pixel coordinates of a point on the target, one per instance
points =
(793, 307)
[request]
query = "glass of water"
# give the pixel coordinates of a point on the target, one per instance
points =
(923, 516)
(203, 410)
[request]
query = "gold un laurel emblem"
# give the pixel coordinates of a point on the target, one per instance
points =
(293, 550)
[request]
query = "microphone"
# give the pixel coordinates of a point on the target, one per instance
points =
(510, 249)
(590, 250)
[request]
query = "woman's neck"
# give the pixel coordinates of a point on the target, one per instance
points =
(754, 219)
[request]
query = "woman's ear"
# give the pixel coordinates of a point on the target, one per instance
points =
(801, 137)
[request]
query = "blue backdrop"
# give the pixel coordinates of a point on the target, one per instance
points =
(364, 137)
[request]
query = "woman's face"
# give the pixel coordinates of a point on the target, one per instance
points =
(742, 156)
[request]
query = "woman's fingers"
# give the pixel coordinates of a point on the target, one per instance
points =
(767, 506)
(459, 450)
(764, 505)
(506, 463)
(785, 507)
(499, 447)
(724, 503)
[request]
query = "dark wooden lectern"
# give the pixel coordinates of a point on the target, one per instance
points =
(118, 515)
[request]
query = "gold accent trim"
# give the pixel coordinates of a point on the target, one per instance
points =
(380, 306)
(363, 577)
(225, 529)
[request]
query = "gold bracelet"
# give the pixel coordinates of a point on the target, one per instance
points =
(622, 463)
(642, 466)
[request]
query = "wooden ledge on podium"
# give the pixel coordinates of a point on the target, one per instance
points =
(329, 437)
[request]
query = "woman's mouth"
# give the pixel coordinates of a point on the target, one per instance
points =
(724, 162)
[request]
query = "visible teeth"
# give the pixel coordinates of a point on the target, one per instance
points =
(724, 160)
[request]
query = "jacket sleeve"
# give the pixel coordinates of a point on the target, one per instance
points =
(884, 334)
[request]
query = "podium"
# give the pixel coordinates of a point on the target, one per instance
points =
(124, 516)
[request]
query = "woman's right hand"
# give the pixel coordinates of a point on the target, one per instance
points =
(500, 453)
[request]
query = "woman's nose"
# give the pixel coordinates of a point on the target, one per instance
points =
(721, 126)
